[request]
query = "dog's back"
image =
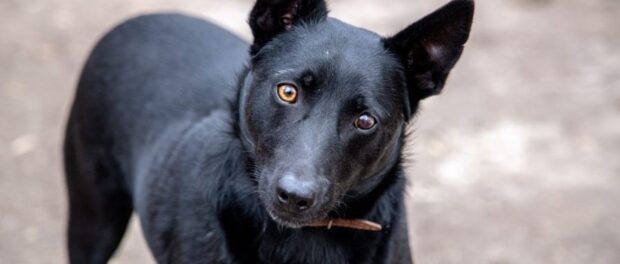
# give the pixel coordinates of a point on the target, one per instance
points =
(143, 85)
(154, 70)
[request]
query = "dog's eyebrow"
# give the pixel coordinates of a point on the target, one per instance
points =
(360, 103)
(285, 71)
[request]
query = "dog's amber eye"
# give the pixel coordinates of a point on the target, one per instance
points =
(287, 92)
(365, 121)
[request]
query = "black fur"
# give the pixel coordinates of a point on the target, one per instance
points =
(168, 120)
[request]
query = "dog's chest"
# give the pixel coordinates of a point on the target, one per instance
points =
(318, 246)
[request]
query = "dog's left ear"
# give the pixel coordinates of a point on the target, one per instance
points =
(272, 17)
(430, 47)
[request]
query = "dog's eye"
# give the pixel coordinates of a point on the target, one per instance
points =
(365, 121)
(287, 93)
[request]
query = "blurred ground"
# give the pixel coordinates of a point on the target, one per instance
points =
(517, 162)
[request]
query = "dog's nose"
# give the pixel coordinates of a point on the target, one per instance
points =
(295, 194)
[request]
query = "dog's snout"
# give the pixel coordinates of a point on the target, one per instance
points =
(296, 194)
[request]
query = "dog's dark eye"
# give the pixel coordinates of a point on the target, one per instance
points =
(287, 92)
(365, 121)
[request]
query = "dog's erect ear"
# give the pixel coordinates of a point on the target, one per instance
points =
(272, 17)
(430, 47)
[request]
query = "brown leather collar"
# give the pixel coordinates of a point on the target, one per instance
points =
(360, 224)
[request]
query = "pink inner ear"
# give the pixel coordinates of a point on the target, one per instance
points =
(434, 51)
(289, 16)
(287, 21)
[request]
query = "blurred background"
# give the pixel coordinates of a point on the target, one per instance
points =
(518, 161)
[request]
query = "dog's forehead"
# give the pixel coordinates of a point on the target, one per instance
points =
(344, 38)
(342, 43)
(329, 47)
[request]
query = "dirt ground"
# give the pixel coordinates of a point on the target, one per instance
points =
(518, 161)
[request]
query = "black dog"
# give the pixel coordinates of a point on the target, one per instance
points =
(295, 159)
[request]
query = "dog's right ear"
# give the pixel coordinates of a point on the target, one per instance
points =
(272, 17)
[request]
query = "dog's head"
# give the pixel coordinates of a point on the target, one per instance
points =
(326, 103)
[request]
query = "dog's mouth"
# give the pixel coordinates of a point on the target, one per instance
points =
(324, 222)
(297, 220)
(291, 222)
